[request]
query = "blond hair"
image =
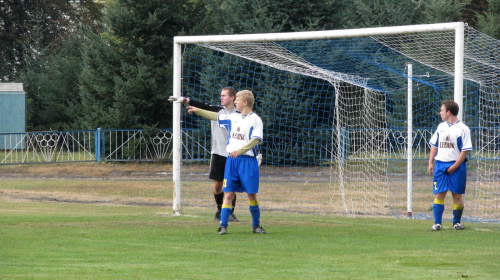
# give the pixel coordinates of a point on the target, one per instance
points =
(247, 96)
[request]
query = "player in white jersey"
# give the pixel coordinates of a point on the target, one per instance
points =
(218, 145)
(450, 145)
(242, 171)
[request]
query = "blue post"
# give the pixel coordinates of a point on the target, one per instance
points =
(98, 145)
(102, 148)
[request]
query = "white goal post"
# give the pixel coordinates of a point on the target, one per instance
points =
(458, 27)
(355, 151)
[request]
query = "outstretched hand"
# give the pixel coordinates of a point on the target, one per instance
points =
(191, 109)
(178, 99)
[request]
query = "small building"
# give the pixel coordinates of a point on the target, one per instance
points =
(12, 114)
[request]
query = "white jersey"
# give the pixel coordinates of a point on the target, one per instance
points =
(219, 134)
(451, 140)
(241, 130)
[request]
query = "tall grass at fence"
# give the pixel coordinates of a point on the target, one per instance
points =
(37, 156)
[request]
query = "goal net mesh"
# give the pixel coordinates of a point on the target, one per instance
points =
(335, 121)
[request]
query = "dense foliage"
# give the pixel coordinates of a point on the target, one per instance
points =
(109, 65)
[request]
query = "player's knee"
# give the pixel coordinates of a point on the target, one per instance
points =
(252, 197)
(441, 195)
(229, 196)
(458, 199)
(217, 186)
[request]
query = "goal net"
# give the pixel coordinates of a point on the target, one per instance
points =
(335, 110)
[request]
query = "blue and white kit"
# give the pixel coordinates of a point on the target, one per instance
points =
(450, 140)
(241, 173)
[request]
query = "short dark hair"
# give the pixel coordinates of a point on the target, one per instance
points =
(451, 106)
(230, 91)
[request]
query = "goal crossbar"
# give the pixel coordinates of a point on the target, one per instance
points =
(318, 35)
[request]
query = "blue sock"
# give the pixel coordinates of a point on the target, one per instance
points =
(224, 215)
(255, 211)
(438, 208)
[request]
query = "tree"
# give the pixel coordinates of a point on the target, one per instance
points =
(263, 16)
(12, 18)
(437, 11)
(368, 13)
(127, 75)
(489, 22)
(121, 65)
(101, 65)
(40, 47)
(29, 26)
(374, 13)
(471, 11)
(51, 82)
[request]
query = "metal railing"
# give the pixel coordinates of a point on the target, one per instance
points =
(46, 147)
(85, 145)
(156, 145)
(136, 145)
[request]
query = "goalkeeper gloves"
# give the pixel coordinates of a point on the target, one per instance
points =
(179, 99)
(259, 158)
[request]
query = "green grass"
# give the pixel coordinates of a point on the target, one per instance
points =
(43, 240)
(94, 232)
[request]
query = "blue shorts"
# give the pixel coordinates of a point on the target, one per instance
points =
(241, 174)
(449, 182)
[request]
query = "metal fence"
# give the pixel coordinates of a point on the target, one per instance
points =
(153, 145)
(45, 147)
(86, 145)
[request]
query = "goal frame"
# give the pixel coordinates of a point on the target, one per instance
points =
(458, 27)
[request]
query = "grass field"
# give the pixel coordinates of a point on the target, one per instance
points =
(86, 221)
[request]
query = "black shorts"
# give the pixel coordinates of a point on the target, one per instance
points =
(217, 164)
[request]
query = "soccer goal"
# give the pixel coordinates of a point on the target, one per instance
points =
(347, 116)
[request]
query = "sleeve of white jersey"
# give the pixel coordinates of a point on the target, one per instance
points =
(258, 129)
(434, 140)
(467, 142)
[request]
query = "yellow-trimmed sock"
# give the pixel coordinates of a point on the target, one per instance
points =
(224, 215)
(438, 209)
(457, 213)
(255, 211)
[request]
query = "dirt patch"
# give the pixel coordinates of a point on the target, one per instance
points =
(92, 183)
(87, 170)
(85, 199)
